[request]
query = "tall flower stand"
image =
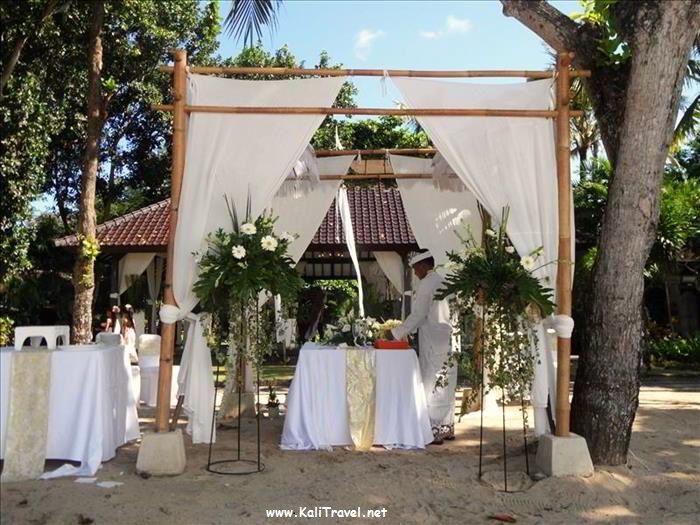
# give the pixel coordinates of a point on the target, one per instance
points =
(239, 465)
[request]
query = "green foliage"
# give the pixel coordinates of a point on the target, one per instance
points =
(246, 19)
(492, 273)
(490, 281)
(383, 132)
(675, 351)
(240, 265)
(27, 125)
(614, 49)
(6, 331)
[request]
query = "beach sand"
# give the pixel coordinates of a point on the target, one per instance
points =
(660, 484)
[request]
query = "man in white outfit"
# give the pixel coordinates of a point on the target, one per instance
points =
(431, 318)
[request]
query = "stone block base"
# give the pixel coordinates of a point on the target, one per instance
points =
(162, 454)
(564, 456)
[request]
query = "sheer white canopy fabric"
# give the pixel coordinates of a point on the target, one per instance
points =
(392, 266)
(504, 162)
(154, 276)
(302, 215)
(195, 381)
(238, 155)
(434, 215)
(346, 218)
(131, 266)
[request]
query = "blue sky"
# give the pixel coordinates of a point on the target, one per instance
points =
(404, 35)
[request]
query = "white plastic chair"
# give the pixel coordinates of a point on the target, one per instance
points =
(149, 362)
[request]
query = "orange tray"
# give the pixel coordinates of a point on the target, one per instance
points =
(385, 344)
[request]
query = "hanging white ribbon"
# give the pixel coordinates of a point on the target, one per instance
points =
(346, 218)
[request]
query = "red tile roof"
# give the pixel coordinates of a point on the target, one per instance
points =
(377, 213)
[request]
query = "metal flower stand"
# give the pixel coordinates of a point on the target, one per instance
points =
(238, 466)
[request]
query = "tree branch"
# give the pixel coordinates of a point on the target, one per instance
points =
(550, 24)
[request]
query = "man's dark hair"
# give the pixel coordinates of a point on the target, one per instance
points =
(429, 261)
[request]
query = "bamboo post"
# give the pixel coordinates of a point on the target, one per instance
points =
(564, 259)
(167, 344)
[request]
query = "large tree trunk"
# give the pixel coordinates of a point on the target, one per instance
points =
(606, 392)
(635, 104)
(84, 269)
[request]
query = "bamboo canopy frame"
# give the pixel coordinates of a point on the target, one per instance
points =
(562, 113)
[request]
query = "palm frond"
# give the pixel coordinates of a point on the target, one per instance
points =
(687, 125)
(247, 18)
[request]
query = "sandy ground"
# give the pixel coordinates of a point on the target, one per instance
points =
(661, 483)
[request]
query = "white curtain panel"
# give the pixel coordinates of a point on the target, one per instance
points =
(302, 215)
(346, 218)
(154, 276)
(505, 162)
(131, 266)
(195, 380)
(238, 155)
(434, 216)
(392, 266)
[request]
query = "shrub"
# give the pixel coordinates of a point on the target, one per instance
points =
(670, 350)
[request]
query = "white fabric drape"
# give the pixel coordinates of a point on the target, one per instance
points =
(392, 266)
(302, 216)
(504, 162)
(195, 381)
(154, 276)
(346, 218)
(131, 266)
(238, 155)
(434, 216)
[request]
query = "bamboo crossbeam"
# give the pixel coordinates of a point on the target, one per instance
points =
(380, 176)
(297, 72)
(369, 152)
(424, 112)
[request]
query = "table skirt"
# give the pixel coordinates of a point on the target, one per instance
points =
(317, 415)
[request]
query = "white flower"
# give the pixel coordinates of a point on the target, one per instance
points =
(286, 236)
(248, 229)
(346, 328)
(450, 266)
(268, 243)
(510, 249)
(490, 232)
(238, 251)
(528, 263)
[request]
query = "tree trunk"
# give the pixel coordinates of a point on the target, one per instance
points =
(606, 391)
(635, 103)
(84, 269)
(10, 61)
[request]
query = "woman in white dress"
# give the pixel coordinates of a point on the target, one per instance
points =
(129, 334)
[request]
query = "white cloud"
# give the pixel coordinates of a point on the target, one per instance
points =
(364, 41)
(452, 26)
(457, 25)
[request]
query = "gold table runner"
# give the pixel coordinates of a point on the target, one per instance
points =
(360, 389)
(28, 418)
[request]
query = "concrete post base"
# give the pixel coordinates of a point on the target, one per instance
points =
(564, 456)
(162, 454)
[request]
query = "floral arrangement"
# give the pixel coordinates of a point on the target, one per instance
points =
(350, 331)
(490, 282)
(238, 267)
(383, 329)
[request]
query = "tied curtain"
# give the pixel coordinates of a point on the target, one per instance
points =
(245, 157)
(509, 161)
(131, 266)
(238, 155)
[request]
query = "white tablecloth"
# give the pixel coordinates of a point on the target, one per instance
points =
(92, 409)
(317, 415)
